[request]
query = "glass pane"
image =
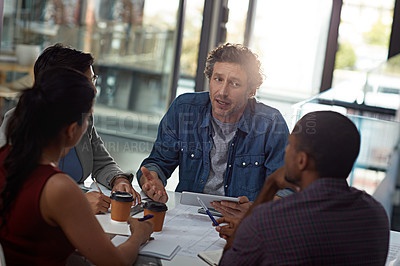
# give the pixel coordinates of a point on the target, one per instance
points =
(132, 42)
(364, 34)
(190, 46)
(290, 38)
(236, 24)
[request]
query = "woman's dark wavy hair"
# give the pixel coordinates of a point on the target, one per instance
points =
(60, 97)
(239, 54)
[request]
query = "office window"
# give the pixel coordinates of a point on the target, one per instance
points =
(132, 41)
(363, 43)
(236, 24)
(364, 34)
(290, 37)
(190, 46)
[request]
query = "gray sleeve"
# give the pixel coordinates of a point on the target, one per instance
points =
(4, 125)
(104, 166)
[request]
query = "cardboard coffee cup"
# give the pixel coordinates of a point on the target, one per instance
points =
(157, 209)
(121, 203)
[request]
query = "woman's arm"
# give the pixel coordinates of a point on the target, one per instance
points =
(63, 204)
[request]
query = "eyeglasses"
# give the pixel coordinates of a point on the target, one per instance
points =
(94, 79)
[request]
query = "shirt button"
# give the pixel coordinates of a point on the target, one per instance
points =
(192, 155)
(256, 163)
(244, 163)
(226, 185)
(233, 144)
(230, 166)
(181, 149)
(202, 181)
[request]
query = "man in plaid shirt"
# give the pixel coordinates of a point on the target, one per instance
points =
(327, 222)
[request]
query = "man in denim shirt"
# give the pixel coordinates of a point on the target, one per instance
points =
(224, 141)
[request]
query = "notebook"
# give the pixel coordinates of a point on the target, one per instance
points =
(211, 257)
(161, 248)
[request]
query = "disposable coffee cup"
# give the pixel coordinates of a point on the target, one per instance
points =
(121, 203)
(157, 209)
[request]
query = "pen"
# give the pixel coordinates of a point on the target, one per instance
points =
(95, 182)
(148, 216)
(207, 211)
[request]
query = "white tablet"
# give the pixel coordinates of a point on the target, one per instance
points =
(190, 198)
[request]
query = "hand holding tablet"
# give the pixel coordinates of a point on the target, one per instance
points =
(190, 198)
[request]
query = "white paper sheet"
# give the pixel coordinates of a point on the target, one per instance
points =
(158, 248)
(393, 257)
(193, 231)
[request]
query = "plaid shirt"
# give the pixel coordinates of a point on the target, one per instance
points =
(328, 223)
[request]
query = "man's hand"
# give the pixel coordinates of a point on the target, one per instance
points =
(122, 184)
(274, 182)
(226, 231)
(232, 209)
(278, 178)
(152, 186)
(99, 202)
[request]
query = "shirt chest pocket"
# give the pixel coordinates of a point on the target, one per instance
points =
(249, 172)
(190, 161)
(249, 161)
(190, 151)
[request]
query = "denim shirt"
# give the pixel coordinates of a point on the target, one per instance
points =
(184, 139)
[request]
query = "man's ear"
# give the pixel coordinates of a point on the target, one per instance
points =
(302, 160)
(252, 93)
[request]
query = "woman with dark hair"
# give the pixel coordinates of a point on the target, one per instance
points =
(44, 215)
(89, 157)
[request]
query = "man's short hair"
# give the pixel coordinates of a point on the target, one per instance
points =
(239, 54)
(59, 55)
(331, 139)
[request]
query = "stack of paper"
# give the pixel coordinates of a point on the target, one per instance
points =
(161, 248)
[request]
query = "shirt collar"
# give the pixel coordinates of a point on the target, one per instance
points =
(207, 120)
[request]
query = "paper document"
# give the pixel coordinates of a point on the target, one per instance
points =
(155, 248)
(393, 257)
(193, 231)
(211, 257)
(183, 225)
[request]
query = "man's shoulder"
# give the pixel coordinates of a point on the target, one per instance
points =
(266, 111)
(367, 200)
(262, 117)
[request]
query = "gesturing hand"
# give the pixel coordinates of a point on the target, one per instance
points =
(152, 186)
